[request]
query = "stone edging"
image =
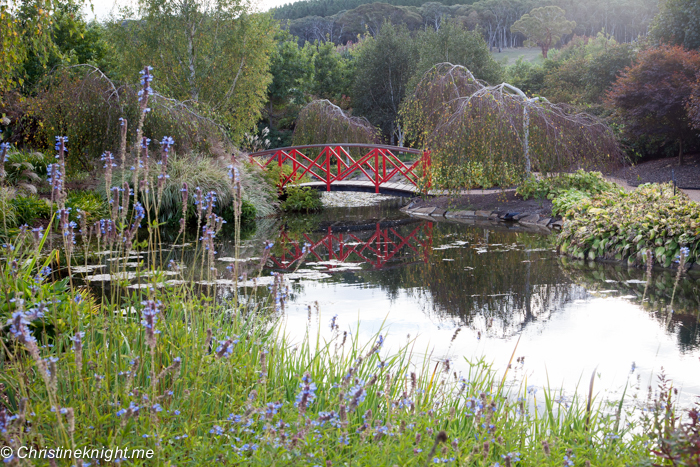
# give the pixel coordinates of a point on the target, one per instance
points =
(524, 218)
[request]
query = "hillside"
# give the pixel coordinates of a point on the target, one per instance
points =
(342, 20)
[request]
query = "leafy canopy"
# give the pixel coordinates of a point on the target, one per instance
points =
(650, 97)
(678, 23)
(212, 53)
(544, 26)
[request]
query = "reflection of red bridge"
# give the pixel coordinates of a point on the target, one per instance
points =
(334, 164)
(383, 245)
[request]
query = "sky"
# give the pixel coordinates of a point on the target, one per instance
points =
(103, 8)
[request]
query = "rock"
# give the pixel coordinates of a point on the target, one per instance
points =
(519, 215)
(438, 212)
(544, 222)
(494, 216)
(425, 211)
(531, 219)
(558, 224)
(482, 214)
(460, 214)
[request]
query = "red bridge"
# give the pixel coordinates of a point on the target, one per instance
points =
(331, 165)
(384, 244)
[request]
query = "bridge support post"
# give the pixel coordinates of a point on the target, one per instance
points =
(376, 171)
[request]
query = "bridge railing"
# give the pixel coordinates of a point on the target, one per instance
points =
(333, 162)
(378, 248)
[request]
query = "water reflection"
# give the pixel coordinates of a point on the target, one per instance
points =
(496, 284)
(471, 290)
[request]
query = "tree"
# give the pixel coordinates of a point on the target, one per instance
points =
(678, 23)
(26, 31)
(332, 73)
(454, 44)
(544, 26)
(291, 69)
(385, 63)
(213, 53)
(650, 97)
(466, 123)
(322, 122)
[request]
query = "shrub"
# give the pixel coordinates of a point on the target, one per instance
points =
(30, 208)
(248, 213)
(87, 203)
(590, 183)
(302, 198)
(199, 170)
(619, 225)
(566, 200)
(25, 169)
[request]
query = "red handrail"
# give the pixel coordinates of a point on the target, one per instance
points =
(369, 164)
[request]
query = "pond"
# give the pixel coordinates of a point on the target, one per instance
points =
(456, 291)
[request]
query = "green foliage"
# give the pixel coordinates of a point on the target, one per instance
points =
(89, 205)
(384, 66)
(75, 42)
(463, 121)
(219, 62)
(25, 169)
(26, 29)
(626, 226)
(566, 200)
(301, 198)
(248, 213)
(291, 69)
(455, 44)
(590, 183)
(333, 73)
(28, 209)
(678, 23)
(544, 26)
(473, 174)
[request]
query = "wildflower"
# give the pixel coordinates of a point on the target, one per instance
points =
(19, 328)
(333, 324)
(225, 348)
(357, 394)
(149, 314)
(307, 394)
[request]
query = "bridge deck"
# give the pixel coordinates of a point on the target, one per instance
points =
(395, 189)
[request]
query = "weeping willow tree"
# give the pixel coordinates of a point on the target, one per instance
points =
(496, 135)
(321, 122)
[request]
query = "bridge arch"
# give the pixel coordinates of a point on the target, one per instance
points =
(332, 164)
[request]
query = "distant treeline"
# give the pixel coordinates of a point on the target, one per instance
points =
(341, 21)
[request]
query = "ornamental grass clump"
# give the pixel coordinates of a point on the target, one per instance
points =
(626, 226)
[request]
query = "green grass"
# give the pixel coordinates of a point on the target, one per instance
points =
(510, 56)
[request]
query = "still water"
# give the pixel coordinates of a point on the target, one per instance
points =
(464, 291)
(460, 292)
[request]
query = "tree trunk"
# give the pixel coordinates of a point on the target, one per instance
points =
(680, 153)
